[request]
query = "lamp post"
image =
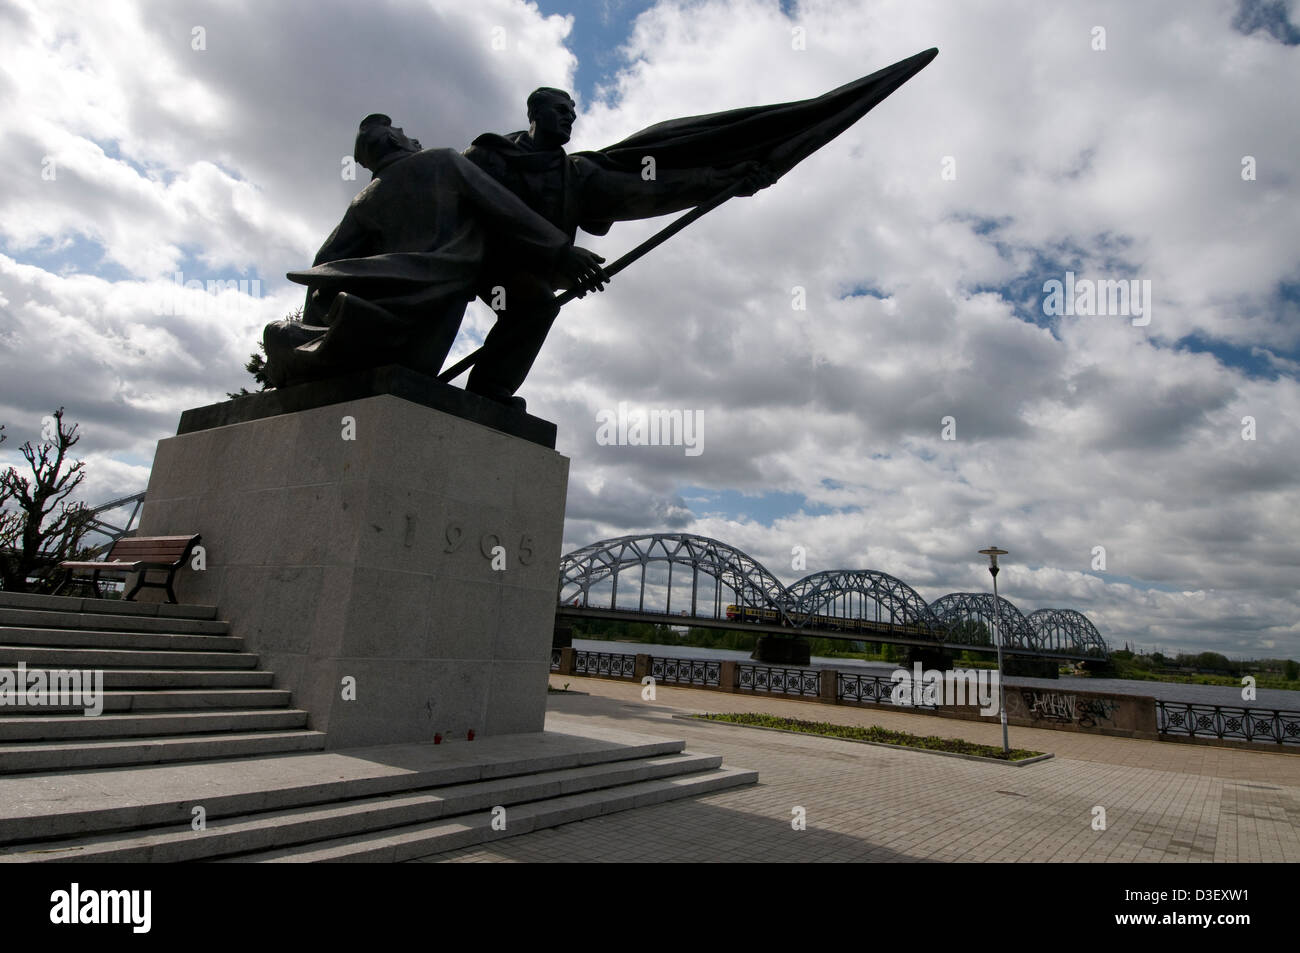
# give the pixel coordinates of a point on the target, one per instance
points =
(993, 553)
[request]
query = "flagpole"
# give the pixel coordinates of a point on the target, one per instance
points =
(654, 241)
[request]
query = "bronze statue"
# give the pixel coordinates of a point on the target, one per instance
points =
(699, 160)
(391, 282)
(435, 228)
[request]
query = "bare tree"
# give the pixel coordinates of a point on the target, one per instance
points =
(31, 542)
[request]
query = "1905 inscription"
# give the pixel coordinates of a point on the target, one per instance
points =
(490, 543)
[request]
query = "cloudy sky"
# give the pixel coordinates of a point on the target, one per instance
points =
(1153, 142)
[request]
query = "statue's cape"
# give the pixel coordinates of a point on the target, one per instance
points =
(780, 135)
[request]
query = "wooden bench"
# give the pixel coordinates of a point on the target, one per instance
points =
(138, 554)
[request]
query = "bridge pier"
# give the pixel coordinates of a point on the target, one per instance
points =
(781, 650)
(936, 657)
(1026, 666)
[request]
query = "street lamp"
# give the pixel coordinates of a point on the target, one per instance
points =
(993, 553)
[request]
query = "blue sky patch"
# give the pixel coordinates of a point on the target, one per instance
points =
(864, 291)
(600, 28)
(113, 150)
(762, 508)
(72, 255)
(1251, 361)
(1270, 16)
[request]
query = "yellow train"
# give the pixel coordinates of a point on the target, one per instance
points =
(827, 623)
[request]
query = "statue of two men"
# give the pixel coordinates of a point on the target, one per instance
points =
(435, 228)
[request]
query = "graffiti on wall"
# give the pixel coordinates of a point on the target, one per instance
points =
(1066, 708)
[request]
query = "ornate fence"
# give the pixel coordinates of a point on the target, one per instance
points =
(682, 671)
(869, 689)
(1173, 720)
(610, 664)
(778, 681)
(1228, 722)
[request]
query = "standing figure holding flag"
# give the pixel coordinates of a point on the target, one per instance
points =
(586, 191)
(697, 161)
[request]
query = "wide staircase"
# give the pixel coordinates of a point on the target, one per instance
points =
(197, 756)
(177, 687)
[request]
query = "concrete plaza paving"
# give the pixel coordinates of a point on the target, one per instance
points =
(1163, 801)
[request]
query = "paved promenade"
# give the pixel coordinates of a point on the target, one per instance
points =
(1163, 801)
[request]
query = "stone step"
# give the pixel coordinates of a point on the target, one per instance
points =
(77, 755)
(59, 804)
(57, 658)
(422, 840)
(109, 622)
(348, 818)
(162, 610)
(99, 639)
(155, 678)
(163, 699)
(68, 727)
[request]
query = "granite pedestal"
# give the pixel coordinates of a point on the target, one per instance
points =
(371, 544)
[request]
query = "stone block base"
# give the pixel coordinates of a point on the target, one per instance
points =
(393, 564)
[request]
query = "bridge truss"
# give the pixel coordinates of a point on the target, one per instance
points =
(588, 569)
(834, 593)
(623, 573)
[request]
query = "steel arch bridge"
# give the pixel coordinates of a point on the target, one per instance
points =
(958, 609)
(812, 595)
(833, 603)
(1064, 629)
(114, 532)
(753, 586)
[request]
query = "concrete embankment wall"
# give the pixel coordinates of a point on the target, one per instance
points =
(1104, 713)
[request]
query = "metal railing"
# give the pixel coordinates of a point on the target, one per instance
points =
(611, 664)
(778, 681)
(1228, 722)
(871, 690)
(1174, 719)
(684, 671)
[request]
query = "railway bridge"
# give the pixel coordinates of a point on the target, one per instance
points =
(684, 579)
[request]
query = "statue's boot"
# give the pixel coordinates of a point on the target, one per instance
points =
(281, 339)
(415, 330)
(297, 353)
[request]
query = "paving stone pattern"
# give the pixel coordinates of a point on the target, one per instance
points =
(1164, 801)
